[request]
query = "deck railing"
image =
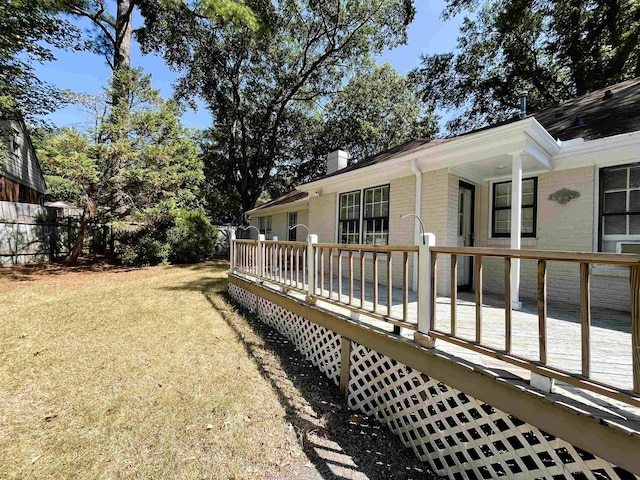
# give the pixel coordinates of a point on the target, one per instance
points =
(342, 272)
(540, 366)
(349, 276)
(285, 263)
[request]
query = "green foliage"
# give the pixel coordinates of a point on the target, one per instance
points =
(553, 49)
(27, 30)
(375, 111)
(192, 238)
(166, 236)
(70, 165)
(160, 159)
(263, 90)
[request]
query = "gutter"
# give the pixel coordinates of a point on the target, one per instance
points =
(417, 210)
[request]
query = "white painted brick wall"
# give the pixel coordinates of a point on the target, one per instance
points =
(568, 227)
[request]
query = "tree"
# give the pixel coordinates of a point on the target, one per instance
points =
(377, 110)
(260, 88)
(27, 31)
(112, 38)
(554, 49)
(164, 169)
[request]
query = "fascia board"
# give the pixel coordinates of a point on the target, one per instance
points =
(621, 147)
(287, 207)
(507, 139)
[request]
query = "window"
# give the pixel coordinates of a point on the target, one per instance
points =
(374, 223)
(619, 205)
(349, 219)
(293, 220)
(376, 216)
(23, 194)
(501, 226)
(265, 227)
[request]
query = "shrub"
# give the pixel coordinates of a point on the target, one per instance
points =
(177, 236)
(142, 248)
(192, 238)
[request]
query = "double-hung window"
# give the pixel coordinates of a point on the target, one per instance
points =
(376, 216)
(265, 227)
(620, 207)
(349, 218)
(501, 218)
(367, 223)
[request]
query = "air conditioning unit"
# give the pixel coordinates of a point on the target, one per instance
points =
(628, 247)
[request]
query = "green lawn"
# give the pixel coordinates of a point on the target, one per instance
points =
(115, 373)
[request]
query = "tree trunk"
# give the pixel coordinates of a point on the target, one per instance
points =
(76, 251)
(121, 61)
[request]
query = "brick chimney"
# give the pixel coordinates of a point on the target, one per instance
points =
(336, 160)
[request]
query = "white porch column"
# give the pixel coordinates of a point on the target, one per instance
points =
(516, 227)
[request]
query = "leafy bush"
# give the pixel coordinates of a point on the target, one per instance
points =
(142, 248)
(177, 236)
(192, 238)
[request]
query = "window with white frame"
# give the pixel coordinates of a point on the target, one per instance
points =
(349, 218)
(501, 208)
(265, 227)
(376, 216)
(369, 224)
(292, 221)
(619, 209)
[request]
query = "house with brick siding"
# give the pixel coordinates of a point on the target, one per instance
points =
(566, 178)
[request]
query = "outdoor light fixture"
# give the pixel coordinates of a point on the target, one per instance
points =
(405, 215)
(301, 225)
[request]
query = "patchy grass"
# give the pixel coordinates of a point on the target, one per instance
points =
(116, 373)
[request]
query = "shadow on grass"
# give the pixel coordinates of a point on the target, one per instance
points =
(338, 442)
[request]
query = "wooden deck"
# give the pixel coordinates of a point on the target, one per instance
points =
(610, 339)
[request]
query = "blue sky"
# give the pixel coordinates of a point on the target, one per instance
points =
(88, 73)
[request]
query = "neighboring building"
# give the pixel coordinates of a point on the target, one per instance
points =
(577, 167)
(21, 178)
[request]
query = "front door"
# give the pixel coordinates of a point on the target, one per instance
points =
(466, 196)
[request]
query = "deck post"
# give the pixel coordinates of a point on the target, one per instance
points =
(260, 257)
(232, 250)
(311, 268)
(424, 292)
(345, 366)
(516, 227)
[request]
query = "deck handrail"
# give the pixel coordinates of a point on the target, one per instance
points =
(553, 255)
(330, 271)
(584, 259)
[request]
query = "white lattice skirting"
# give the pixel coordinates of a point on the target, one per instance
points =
(459, 436)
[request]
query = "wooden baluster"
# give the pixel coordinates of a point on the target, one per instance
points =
(434, 290)
(405, 286)
(634, 277)
(297, 267)
(478, 282)
(350, 276)
(321, 272)
(362, 278)
(585, 318)
(330, 272)
(542, 310)
(454, 292)
(339, 275)
(280, 264)
(375, 281)
(389, 284)
(507, 304)
(304, 268)
(291, 265)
